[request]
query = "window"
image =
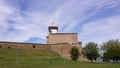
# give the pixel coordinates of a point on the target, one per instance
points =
(75, 43)
(33, 46)
(72, 43)
(8, 47)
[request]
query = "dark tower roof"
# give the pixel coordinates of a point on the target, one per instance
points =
(52, 26)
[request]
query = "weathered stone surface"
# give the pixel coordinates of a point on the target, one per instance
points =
(62, 48)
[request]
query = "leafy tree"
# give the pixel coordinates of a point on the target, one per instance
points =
(74, 52)
(111, 50)
(91, 51)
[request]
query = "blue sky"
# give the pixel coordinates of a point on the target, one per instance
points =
(28, 20)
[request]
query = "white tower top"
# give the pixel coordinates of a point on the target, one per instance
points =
(53, 28)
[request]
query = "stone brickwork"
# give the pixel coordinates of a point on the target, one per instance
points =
(60, 43)
(57, 39)
(71, 38)
(24, 45)
(62, 49)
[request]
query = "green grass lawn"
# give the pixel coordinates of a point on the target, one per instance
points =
(43, 59)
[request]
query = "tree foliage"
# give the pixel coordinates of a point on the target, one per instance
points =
(111, 50)
(91, 51)
(74, 52)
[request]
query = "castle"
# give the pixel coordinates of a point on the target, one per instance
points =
(60, 43)
(54, 37)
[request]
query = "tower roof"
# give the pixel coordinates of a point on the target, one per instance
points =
(53, 28)
(53, 24)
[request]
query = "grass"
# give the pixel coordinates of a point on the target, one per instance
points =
(26, 56)
(43, 59)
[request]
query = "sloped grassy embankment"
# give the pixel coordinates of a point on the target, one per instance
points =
(43, 59)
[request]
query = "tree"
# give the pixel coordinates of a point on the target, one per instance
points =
(74, 52)
(91, 51)
(111, 50)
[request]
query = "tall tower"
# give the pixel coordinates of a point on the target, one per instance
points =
(53, 28)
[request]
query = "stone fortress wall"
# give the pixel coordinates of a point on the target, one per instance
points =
(61, 48)
(60, 43)
(23, 45)
(70, 38)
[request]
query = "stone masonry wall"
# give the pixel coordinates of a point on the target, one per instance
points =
(62, 38)
(24, 45)
(62, 49)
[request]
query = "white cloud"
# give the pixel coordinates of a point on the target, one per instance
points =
(101, 30)
(34, 22)
(74, 12)
(107, 4)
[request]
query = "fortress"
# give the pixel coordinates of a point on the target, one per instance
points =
(60, 43)
(54, 37)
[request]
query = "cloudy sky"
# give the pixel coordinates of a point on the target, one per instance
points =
(28, 20)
